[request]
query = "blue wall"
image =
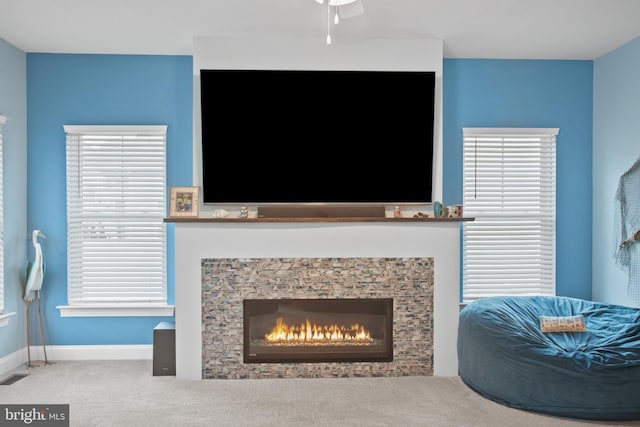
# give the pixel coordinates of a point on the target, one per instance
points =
(98, 90)
(112, 89)
(529, 93)
(616, 146)
(13, 105)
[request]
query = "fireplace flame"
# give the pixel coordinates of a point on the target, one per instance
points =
(309, 332)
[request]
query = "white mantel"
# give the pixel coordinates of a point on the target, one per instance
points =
(197, 240)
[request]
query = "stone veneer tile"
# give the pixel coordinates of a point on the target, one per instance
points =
(226, 282)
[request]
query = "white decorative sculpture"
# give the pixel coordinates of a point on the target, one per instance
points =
(220, 213)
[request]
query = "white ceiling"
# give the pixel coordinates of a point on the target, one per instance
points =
(518, 29)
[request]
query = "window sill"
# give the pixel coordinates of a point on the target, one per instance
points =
(4, 319)
(116, 310)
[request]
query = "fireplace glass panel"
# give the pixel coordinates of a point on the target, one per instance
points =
(318, 330)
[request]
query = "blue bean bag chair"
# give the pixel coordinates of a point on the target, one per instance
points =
(504, 355)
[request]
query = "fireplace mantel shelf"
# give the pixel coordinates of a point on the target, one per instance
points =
(323, 219)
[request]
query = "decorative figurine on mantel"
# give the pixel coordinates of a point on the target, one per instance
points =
(244, 212)
(220, 213)
(438, 209)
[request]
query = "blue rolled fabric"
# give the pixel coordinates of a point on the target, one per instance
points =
(504, 355)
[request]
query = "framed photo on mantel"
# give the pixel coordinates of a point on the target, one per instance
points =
(183, 202)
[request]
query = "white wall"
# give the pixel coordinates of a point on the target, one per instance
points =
(616, 146)
(314, 54)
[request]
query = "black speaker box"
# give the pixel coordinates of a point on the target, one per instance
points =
(164, 349)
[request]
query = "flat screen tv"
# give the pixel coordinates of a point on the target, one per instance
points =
(334, 137)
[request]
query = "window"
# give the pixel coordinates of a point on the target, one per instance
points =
(116, 242)
(509, 187)
(2, 121)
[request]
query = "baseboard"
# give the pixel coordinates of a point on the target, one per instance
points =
(93, 352)
(76, 352)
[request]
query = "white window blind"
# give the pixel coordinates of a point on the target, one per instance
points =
(2, 121)
(509, 181)
(115, 214)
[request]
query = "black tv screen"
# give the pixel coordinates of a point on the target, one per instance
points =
(293, 136)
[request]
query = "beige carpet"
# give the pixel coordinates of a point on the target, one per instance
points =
(124, 393)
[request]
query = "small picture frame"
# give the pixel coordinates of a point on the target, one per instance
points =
(183, 202)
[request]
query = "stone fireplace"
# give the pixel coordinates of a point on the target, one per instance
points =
(392, 298)
(208, 252)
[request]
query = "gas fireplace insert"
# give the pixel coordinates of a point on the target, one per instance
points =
(318, 330)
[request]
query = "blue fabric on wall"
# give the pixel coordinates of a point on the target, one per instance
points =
(504, 356)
